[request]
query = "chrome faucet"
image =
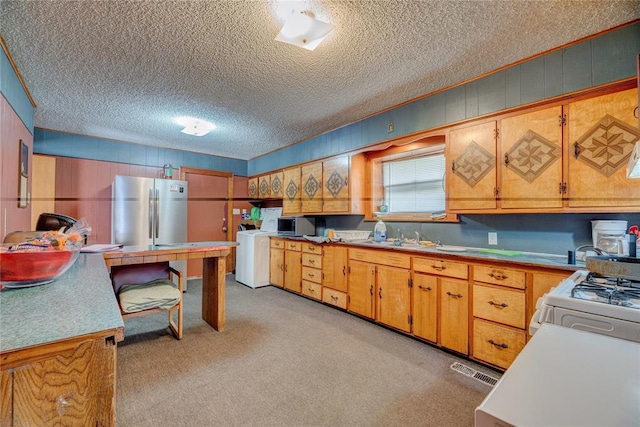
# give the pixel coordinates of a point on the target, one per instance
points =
(596, 250)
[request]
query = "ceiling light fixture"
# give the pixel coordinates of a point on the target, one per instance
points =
(195, 127)
(302, 29)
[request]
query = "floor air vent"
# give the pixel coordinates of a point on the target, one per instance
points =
(470, 372)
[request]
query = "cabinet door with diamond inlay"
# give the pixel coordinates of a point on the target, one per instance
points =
(531, 163)
(264, 186)
(602, 134)
(335, 173)
(311, 190)
(253, 188)
(291, 197)
(277, 188)
(471, 168)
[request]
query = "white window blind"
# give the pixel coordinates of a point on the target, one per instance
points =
(416, 184)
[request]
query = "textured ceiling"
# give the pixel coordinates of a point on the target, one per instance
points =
(125, 70)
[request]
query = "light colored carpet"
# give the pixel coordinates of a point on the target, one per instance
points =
(284, 360)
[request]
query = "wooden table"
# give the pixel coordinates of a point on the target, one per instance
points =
(213, 255)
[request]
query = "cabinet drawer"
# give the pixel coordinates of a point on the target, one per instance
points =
(499, 276)
(311, 274)
(333, 297)
(500, 305)
(311, 248)
(390, 258)
(312, 290)
(312, 260)
(291, 245)
(441, 267)
(277, 243)
(496, 344)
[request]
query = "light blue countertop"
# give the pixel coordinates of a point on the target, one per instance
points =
(518, 258)
(483, 254)
(79, 302)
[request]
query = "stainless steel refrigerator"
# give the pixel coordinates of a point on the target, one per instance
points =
(149, 211)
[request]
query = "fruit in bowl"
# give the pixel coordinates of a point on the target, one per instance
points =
(35, 263)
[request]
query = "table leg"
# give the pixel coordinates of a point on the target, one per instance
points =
(213, 292)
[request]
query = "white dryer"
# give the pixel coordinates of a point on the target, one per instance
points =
(252, 255)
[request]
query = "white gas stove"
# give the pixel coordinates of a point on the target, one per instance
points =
(588, 302)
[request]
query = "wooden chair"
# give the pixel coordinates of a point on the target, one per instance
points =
(143, 289)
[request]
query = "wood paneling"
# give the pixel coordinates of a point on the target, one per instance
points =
(12, 131)
(43, 187)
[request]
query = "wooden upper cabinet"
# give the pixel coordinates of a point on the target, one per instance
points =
(252, 188)
(602, 134)
(264, 186)
(531, 160)
(311, 190)
(471, 168)
(276, 187)
(335, 182)
(291, 203)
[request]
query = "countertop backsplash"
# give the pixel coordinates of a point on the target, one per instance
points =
(541, 233)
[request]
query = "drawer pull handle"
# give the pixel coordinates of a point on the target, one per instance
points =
(311, 290)
(343, 270)
(371, 290)
(312, 261)
(426, 288)
(496, 305)
(498, 345)
(498, 276)
(310, 274)
(438, 267)
(454, 295)
(312, 249)
(380, 293)
(334, 298)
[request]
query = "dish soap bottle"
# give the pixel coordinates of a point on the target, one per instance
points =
(380, 232)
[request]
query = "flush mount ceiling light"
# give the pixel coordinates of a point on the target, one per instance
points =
(302, 29)
(195, 127)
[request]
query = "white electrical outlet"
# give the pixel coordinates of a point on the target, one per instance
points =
(236, 211)
(493, 238)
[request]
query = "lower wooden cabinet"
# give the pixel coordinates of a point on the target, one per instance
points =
(496, 344)
(425, 307)
(74, 384)
(333, 297)
(453, 322)
(380, 292)
(293, 266)
(276, 262)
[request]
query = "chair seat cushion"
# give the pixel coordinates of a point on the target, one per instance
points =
(160, 293)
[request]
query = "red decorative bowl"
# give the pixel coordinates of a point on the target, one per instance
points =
(32, 267)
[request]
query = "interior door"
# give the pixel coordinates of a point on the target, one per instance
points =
(208, 210)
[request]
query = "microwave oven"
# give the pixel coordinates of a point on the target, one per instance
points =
(296, 226)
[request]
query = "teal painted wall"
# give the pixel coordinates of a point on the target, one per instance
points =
(607, 58)
(14, 93)
(84, 147)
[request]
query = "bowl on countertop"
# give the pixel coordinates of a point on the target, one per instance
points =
(24, 266)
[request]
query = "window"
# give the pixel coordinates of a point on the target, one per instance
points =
(415, 184)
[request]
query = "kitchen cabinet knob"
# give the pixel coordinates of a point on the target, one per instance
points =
(492, 342)
(380, 293)
(506, 159)
(454, 295)
(371, 290)
(498, 305)
(576, 149)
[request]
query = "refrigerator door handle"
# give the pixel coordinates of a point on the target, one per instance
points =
(157, 213)
(151, 213)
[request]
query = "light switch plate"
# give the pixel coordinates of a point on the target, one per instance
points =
(236, 211)
(493, 238)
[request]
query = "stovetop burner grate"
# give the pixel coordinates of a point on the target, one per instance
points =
(608, 290)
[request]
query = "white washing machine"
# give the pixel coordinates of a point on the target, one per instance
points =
(252, 255)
